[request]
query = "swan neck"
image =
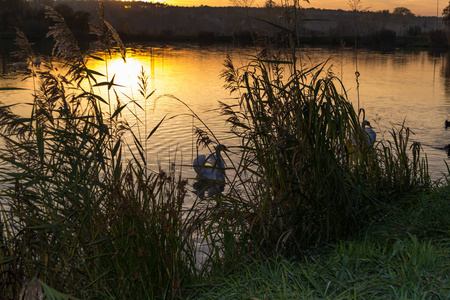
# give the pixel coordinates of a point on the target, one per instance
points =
(219, 159)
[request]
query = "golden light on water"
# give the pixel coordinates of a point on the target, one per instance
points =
(394, 86)
(169, 71)
(123, 74)
(191, 75)
(126, 73)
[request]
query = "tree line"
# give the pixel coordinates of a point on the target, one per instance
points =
(153, 20)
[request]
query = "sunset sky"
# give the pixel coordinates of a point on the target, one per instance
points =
(418, 7)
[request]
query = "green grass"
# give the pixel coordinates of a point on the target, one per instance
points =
(405, 255)
(357, 270)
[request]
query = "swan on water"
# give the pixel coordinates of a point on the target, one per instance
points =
(372, 136)
(212, 166)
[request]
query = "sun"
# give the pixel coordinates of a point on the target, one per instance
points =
(169, 2)
(158, 1)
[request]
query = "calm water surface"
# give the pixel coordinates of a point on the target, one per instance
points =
(394, 87)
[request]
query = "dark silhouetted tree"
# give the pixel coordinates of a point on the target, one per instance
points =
(270, 3)
(403, 11)
(78, 21)
(242, 3)
(11, 12)
(404, 15)
(446, 16)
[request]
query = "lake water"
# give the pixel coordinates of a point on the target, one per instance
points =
(394, 87)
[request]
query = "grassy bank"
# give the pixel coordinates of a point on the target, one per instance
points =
(81, 221)
(403, 255)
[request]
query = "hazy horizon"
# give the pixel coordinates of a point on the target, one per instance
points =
(417, 7)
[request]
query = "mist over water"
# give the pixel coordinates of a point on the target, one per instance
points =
(395, 87)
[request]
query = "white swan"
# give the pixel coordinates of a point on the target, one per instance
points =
(211, 167)
(372, 136)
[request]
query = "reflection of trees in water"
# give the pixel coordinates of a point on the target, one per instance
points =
(5, 49)
(389, 59)
(445, 73)
(10, 63)
(3, 63)
(446, 65)
(446, 76)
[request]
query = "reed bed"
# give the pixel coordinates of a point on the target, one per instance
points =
(312, 174)
(79, 221)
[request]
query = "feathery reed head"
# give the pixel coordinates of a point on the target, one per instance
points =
(66, 46)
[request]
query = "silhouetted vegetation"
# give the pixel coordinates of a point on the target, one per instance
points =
(154, 21)
(382, 40)
(11, 15)
(30, 18)
(78, 220)
(438, 39)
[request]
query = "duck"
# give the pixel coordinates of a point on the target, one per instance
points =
(447, 123)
